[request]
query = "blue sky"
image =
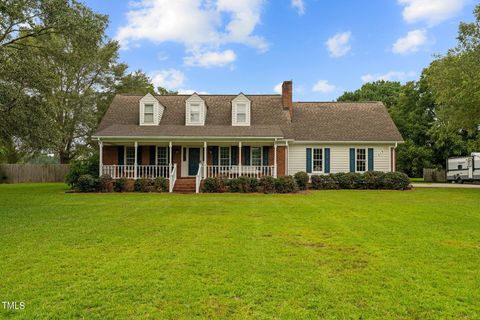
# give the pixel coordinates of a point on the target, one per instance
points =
(250, 46)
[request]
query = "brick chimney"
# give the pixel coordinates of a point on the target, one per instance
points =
(287, 101)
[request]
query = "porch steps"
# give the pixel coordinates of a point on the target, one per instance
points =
(184, 185)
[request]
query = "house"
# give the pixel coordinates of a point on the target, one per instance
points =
(187, 138)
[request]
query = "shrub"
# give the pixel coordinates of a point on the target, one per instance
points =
(373, 180)
(247, 184)
(80, 167)
(267, 184)
(233, 185)
(213, 185)
(105, 183)
(87, 183)
(324, 182)
(396, 181)
(160, 184)
(345, 180)
(285, 184)
(301, 178)
(143, 185)
(119, 185)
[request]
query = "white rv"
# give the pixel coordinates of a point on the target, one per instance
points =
(461, 169)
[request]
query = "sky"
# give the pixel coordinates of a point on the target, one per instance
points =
(326, 47)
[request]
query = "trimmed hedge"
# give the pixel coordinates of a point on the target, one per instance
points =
(87, 183)
(161, 184)
(301, 178)
(119, 185)
(267, 184)
(324, 182)
(372, 180)
(213, 185)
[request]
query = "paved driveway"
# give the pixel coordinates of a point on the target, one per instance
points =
(446, 185)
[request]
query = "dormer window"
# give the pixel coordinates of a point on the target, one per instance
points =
(195, 111)
(150, 110)
(148, 113)
(241, 111)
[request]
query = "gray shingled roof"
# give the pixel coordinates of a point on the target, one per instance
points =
(330, 121)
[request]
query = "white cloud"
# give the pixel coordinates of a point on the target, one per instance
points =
(324, 87)
(389, 76)
(210, 58)
(190, 91)
(194, 23)
(278, 88)
(338, 45)
(169, 78)
(431, 11)
(411, 42)
(299, 5)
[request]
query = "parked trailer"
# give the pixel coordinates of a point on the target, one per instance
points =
(461, 169)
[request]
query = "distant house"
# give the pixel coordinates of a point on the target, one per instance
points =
(191, 137)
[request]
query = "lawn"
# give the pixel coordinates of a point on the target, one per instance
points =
(328, 255)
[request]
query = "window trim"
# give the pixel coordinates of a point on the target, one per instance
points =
(237, 112)
(125, 155)
(229, 156)
(356, 160)
(145, 104)
(323, 159)
(241, 99)
(251, 156)
(166, 154)
(190, 113)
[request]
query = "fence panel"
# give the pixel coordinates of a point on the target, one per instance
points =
(34, 172)
(434, 175)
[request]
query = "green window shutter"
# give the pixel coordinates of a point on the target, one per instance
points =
(234, 155)
(215, 155)
(327, 160)
(370, 159)
(265, 155)
(309, 160)
(246, 156)
(352, 159)
(121, 155)
(152, 155)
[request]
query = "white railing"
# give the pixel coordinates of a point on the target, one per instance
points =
(198, 178)
(232, 172)
(143, 171)
(173, 178)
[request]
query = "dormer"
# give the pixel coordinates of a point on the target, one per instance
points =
(241, 106)
(151, 111)
(195, 111)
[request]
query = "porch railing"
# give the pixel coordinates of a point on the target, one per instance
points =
(198, 178)
(232, 172)
(172, 181)
(143, 171)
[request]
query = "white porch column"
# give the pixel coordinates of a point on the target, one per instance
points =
(136, 160)
(204, 159)
(275, 159)
(169, 158)
(100, 156)
(239, 158)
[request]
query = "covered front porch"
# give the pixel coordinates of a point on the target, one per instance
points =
(134, 159)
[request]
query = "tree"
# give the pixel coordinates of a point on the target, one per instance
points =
(136, 82)
(385, 91)
(163, 91)
(455, 79)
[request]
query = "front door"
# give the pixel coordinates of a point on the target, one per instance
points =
(193, 161)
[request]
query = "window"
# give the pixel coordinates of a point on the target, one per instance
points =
(148, 113)
(317, 160)
(241, 113)
(361, 163)
(162, 156)
(130, 156)
(195, 112)
(224, 156)
(256, 156)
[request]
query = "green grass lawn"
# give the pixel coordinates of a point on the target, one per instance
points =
(331, 254)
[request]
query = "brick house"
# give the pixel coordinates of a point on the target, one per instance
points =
(186, 138)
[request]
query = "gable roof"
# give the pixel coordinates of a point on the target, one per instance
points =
(315, 121)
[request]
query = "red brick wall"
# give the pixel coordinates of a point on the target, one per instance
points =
(145, 155)
(281, 160)
(177, 158)
(110, 155)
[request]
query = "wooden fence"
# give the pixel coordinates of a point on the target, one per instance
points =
(34, 172)
(434, 175)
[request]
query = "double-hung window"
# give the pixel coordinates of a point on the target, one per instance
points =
(256, 156)
(361, 160)
(130, 156)
(162, 156)
(241, 113)
(148, 113)
(195, 112)
(317, 160)
(224, 156)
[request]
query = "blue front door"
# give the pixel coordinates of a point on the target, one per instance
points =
(193, 161)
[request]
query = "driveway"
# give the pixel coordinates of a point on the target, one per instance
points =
(446, 185)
